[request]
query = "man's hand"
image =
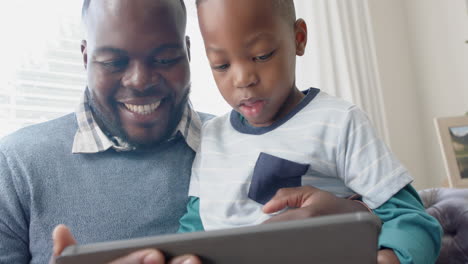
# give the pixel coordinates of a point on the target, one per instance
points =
(308, 202)
(63, 238)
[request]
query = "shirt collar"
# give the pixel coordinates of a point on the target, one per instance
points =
(91, 139)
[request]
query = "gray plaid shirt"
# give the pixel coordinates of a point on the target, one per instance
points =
(91, 139)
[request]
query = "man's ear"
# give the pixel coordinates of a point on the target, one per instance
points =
(187, 43)
(300, 33)
(84, 52)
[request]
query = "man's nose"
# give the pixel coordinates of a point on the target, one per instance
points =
(140, 77)
(245, 77)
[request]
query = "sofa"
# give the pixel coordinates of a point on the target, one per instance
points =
(450, 207)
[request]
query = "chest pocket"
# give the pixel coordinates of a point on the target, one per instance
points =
(271, 174)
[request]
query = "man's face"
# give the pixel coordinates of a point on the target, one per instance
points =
(137, 61)
(252, 52)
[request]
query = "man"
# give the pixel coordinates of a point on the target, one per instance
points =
(119, 167)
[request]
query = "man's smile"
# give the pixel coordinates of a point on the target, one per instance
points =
(143, 109)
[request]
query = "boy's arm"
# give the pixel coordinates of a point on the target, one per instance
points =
(191, 221)
(412, 234)
(407, 229)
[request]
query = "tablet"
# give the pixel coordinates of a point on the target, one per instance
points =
(347, 238)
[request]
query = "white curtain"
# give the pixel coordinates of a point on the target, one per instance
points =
(342, 44)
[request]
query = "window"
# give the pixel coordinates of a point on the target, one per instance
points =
(43, 76)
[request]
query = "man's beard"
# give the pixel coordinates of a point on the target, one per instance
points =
(111, 125)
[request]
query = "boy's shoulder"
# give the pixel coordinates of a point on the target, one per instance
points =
(338, 107)
(216, 121)
(204, 117)
(327, 101)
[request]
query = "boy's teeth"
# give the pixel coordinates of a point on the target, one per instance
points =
(143, 109)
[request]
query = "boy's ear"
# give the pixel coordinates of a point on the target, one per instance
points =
(300, 33)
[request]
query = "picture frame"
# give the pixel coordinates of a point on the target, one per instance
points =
(453, 138)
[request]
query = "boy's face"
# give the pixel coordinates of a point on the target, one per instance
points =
(136, 56)
(252, 52)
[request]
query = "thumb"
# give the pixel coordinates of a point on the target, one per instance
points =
(62, 238)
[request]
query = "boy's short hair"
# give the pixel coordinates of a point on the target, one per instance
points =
(286, 8)
(84, 10)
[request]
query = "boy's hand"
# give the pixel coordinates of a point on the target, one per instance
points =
(309, 202)
(387, 256)
(63, 238)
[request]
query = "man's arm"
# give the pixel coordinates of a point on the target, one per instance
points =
(14, 238)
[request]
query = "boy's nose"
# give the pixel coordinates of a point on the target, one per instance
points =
(140, 77)
(245, 77)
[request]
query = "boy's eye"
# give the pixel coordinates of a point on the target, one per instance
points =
(264, 57)
(220, 67)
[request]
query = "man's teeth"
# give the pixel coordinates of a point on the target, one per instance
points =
(143, 109)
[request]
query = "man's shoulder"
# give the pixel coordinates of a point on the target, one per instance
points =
(41, 135)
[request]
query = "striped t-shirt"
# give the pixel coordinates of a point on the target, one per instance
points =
(324, 142)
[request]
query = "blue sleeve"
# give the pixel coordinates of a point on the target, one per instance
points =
(14, 232)
(413, 234)
(191, 221)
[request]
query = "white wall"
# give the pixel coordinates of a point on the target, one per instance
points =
(423, 63)
(438, 31)
(398, 85)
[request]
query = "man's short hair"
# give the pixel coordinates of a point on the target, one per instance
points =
(285, 8)
(84, 10)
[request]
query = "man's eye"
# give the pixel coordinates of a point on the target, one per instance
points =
(264, 57)
(166, 61)
(223, 67)
(115, 65)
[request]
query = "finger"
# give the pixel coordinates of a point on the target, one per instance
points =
(186, 259)
(293, 214)
(277, 204)
(387, 256)
(290, 197)
(283, 197)
(62, 238)
(146, 256)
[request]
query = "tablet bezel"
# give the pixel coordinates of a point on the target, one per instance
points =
(272, 240)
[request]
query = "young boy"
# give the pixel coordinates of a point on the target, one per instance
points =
(277, 136)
